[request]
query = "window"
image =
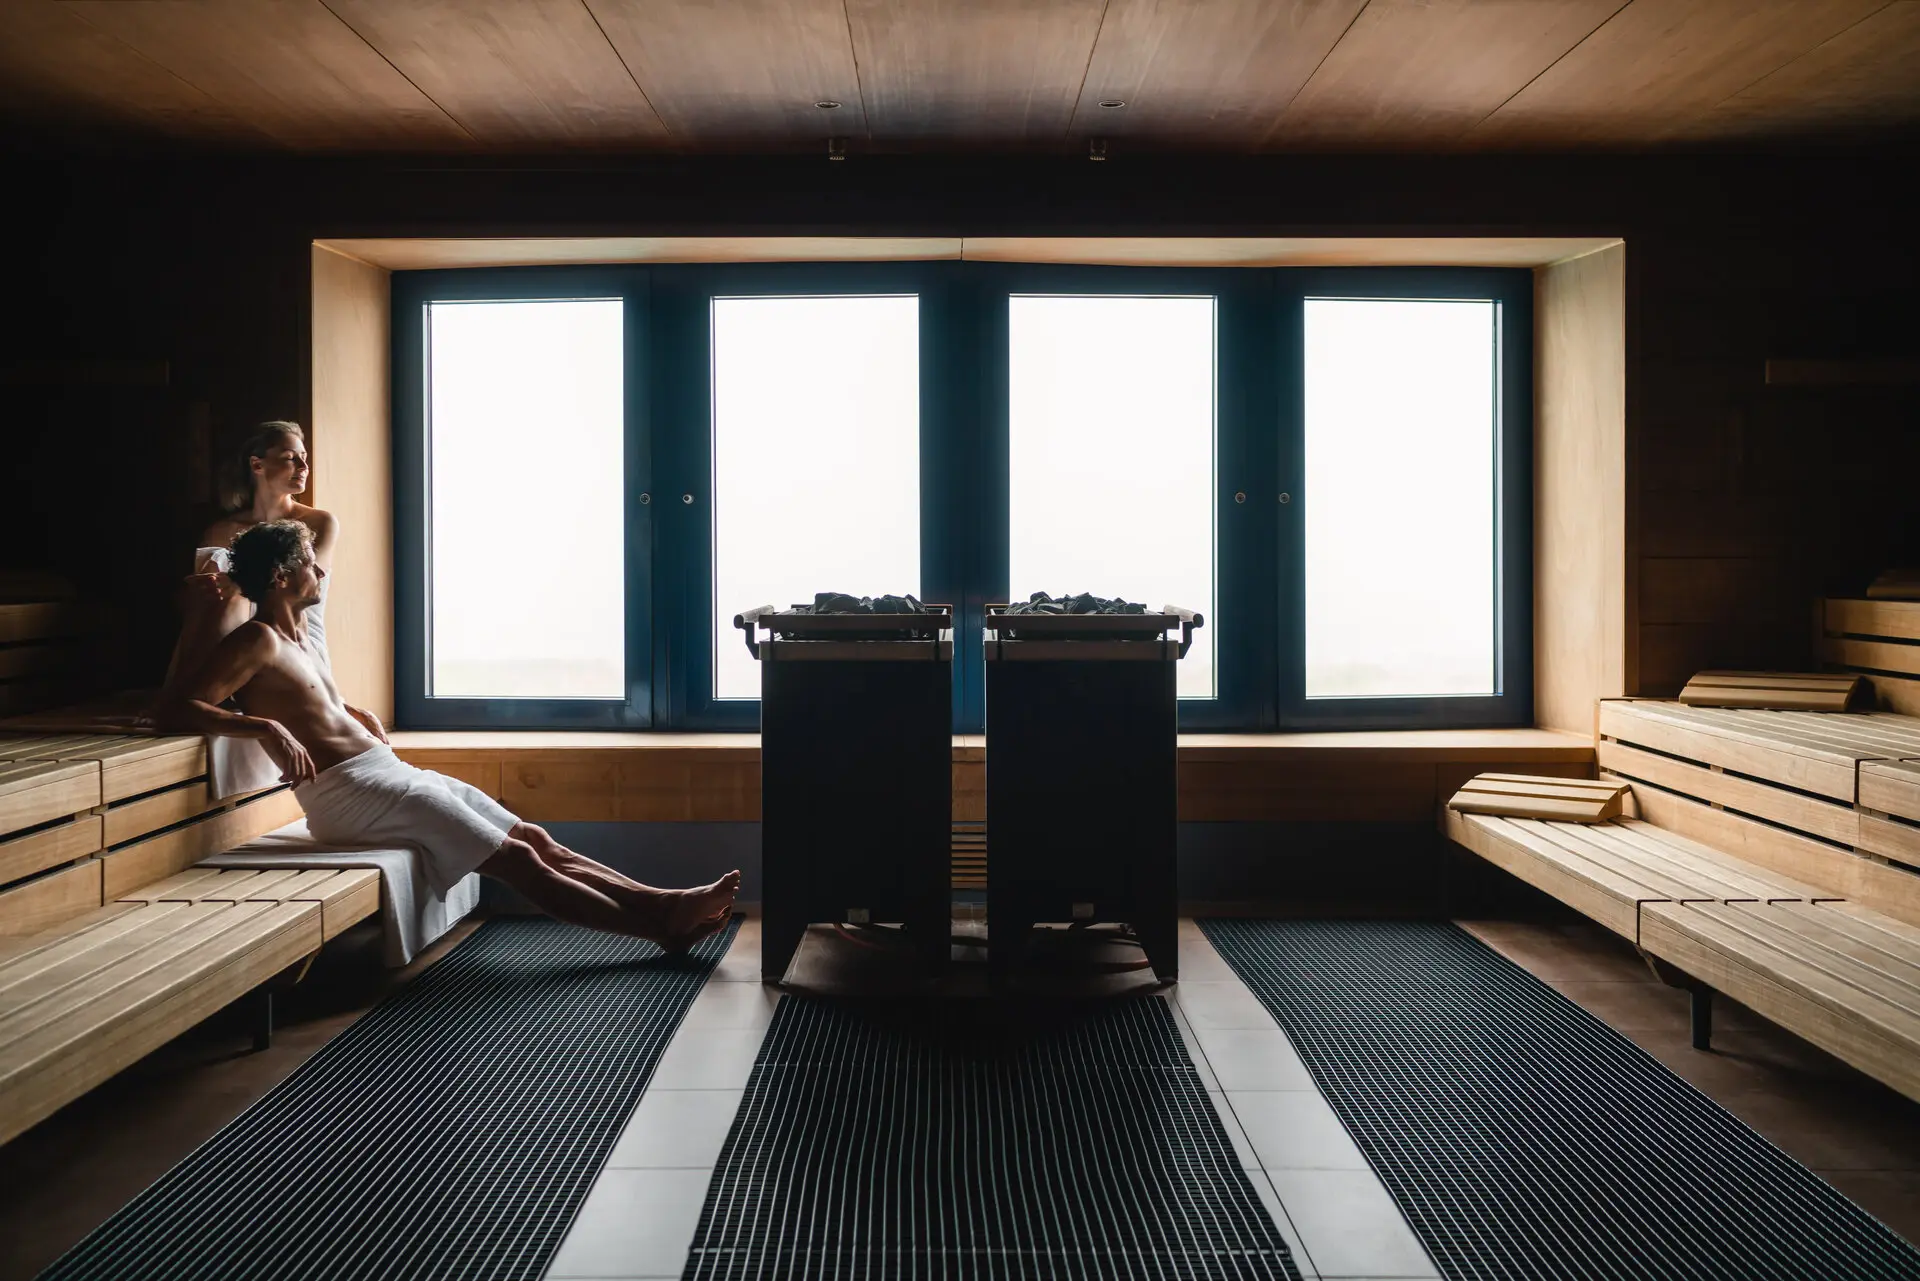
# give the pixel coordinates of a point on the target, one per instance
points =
(596, 469)
(816, 458)
(1110, 426)
(1398, 497)
(526, 433)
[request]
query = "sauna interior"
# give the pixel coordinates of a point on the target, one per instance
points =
(872, 638)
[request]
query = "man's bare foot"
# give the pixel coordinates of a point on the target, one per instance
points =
(689, 911)
(712, 925)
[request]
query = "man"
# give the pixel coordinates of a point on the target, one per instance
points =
(357, 792)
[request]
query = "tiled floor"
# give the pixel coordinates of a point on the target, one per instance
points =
(639, 1219)
(70, 1173)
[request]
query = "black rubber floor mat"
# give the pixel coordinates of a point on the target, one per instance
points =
(1523, 1137)
(451, 1132)
(963, 1139)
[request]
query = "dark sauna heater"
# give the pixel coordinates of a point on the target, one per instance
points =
(1081, 788)
(856, 770)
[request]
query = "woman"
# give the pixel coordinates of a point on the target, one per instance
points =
(259, 485)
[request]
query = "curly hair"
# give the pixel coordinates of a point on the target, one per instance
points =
(265, 550)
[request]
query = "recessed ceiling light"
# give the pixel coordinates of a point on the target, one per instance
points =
(1113, 102)
(826, 104)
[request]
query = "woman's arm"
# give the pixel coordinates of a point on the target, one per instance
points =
(210, 608)
(326, 533)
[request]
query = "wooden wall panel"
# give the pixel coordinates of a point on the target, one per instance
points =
(53, 66)
(1581, 607)
(1867, 75)
(513, 73)
(1254, 56)
(289, 67)
(1429, 72)
(978, 71)
(748, 71)
(1653, 65)
(352, 437)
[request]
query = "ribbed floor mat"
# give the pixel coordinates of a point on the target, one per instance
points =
(963, 1139)
(1523, 1137)
(450, 1133)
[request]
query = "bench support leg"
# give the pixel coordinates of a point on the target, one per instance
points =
(1699, 999)
(262, 1018)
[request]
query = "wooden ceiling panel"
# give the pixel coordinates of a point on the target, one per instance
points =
(988, 72)
(1866, 77)
(740, 71)
(1215, 73)
(511, 72)
(288, 66)
(1427, 71)
(1659, 63)
(60, 74)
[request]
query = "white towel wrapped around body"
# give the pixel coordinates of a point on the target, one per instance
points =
(377, 799)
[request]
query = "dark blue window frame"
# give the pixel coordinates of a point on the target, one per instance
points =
(412, 294)
(1258, 620)
(1512, 703)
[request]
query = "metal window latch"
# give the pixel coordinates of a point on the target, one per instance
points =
(645, 499)
(687, 498)
(1286, 498)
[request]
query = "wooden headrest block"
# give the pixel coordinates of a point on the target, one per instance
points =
(1780, 691)
(1896, 584)
(1573, 800)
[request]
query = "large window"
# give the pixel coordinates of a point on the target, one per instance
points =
(596, 469)
(1110, 426)
(816, 458)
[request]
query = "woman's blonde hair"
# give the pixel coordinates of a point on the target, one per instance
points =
(236, 488)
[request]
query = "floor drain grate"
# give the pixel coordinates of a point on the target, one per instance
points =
(974, 1138)
(451, 1132)
(1523, 1137)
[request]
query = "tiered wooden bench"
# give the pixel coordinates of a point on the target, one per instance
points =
(1880, 639)
(111, 940)
(1768, 855)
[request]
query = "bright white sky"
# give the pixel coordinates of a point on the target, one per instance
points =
(1399, 497)
(1111, 426)
(529, 530)
(816, 459)
(816, 428)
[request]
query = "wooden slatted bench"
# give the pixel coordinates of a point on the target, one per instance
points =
(1767, 855)
(83, 1000)
(112, 941)
(1880, 639)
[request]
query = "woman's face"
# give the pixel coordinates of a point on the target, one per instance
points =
(282, 470)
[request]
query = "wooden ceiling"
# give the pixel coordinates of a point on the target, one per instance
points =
(524, 76)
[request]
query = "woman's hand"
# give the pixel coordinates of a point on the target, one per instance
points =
(209, 591)
(372, 722)
(284, 749)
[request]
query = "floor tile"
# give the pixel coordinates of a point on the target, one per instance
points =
(1223, 1005)
(1350, 1224)
(1295, 1130)
(676, 1129)
(635, 1223)
(1237, 1135)
(1199, 963)
(1247, 1059)
(708, 1059)
(732, 1005)
(1275, 1211)
(1892, 1196)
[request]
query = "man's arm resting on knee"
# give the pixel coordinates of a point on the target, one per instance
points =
(195, 707)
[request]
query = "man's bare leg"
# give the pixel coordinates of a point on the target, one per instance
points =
(681, 908)
(691, 914)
